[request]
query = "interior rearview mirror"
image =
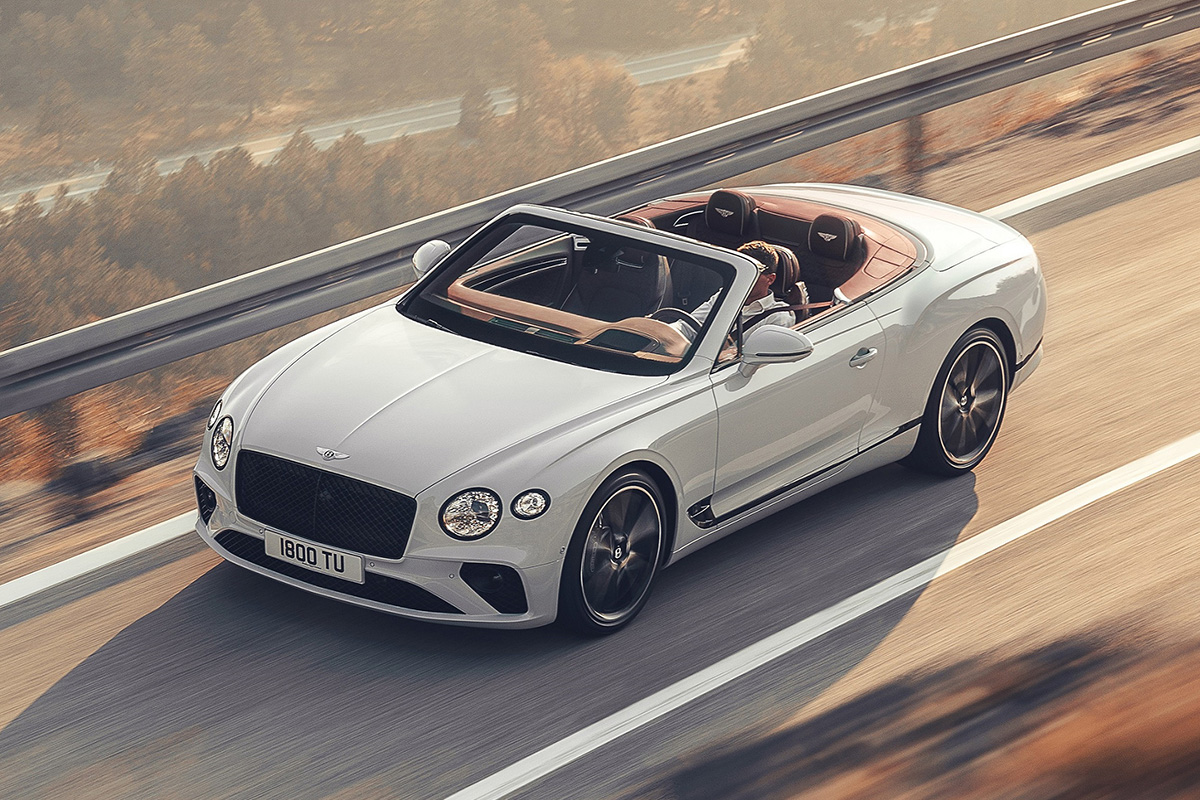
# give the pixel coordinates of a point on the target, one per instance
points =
(773, 344)
(429, 254)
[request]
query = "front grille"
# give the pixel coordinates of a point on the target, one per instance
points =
(380, 588)
(323, 507)
(206, 500)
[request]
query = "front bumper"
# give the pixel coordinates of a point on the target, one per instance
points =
(392, 586)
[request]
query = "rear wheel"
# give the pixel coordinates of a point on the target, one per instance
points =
(965, 407)
(613, 556)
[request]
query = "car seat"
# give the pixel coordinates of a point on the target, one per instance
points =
(616, 282)
(835, 245)
(787, 286)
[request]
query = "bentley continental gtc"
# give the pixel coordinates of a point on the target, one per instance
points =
(565, 404)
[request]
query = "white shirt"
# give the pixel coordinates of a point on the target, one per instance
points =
(782, 317)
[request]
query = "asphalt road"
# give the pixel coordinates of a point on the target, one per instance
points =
(206, 681)
(420, 118)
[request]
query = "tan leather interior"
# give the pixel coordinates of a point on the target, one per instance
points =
(887, 253)
(671, 344)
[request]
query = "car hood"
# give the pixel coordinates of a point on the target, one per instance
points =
(409, 404)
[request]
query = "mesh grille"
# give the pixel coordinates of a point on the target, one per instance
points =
(498, 584)
(206, 500)
(379, 588)
(323, 507)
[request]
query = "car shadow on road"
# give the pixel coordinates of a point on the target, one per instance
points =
(237, 681)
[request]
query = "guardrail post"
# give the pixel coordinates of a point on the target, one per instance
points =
(914, 154)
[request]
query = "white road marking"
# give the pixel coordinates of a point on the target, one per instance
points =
(1094, 179)
(96, 558)
(643, 712)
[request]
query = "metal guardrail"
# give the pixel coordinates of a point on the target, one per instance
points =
(157, 334)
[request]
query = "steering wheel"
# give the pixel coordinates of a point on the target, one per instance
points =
(671, 314)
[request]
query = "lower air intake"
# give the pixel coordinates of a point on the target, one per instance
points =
(206, 500)
(499, 585)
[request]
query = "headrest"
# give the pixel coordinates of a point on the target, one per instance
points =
(832, 237)
(730, 212)
(615, 258)
(630, 257)
(600, 257)
(788, 273)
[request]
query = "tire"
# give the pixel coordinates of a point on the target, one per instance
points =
(965, 407)
(614, 555)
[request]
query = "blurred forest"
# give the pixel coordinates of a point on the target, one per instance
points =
(153, 68)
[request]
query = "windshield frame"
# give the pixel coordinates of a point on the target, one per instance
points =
(736, 270)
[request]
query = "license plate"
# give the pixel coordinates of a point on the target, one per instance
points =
(315, 557)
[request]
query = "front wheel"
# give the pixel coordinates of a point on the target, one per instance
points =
(965, 407)
(613, 556)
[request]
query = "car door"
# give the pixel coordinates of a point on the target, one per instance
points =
(787, 422)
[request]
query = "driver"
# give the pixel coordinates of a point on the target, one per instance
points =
(760, 300)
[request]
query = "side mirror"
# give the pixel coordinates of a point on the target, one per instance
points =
(429, 254)
(773, 344)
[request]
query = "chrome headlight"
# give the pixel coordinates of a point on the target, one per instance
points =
(530, 504)
(471, 514)
(222, 442)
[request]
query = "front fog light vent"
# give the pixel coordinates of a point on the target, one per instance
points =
(498, 584)
(206, 499)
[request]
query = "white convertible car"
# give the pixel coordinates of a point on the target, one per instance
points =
(565, 404)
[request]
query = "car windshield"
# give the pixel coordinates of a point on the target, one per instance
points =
(574, 294)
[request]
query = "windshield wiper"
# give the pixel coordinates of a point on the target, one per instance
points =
(436, 324)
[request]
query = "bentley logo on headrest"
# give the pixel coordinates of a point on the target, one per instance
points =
(330, 455)
(724, 212)
(829, 237)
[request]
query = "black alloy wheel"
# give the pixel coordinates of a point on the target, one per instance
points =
(965, 408)
(614, 555)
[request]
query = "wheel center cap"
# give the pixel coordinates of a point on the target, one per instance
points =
(620, 548)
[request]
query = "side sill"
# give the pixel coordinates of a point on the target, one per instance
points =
(701, 514)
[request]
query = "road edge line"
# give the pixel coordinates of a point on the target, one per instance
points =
(1083, 184)
(96, 558)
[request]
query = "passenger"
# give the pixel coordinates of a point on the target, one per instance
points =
(760, 301)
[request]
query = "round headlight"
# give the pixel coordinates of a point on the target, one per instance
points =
(222, 442)
(471, 514)
(214, 415)
(530, 504)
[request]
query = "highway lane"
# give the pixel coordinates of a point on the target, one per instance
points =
(237, 686)
(419, 118)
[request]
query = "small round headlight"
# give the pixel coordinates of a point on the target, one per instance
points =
(222, 442)
(471, 514)
(214, 415)
(530, 504)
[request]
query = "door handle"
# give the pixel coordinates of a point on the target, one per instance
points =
(864, 355)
